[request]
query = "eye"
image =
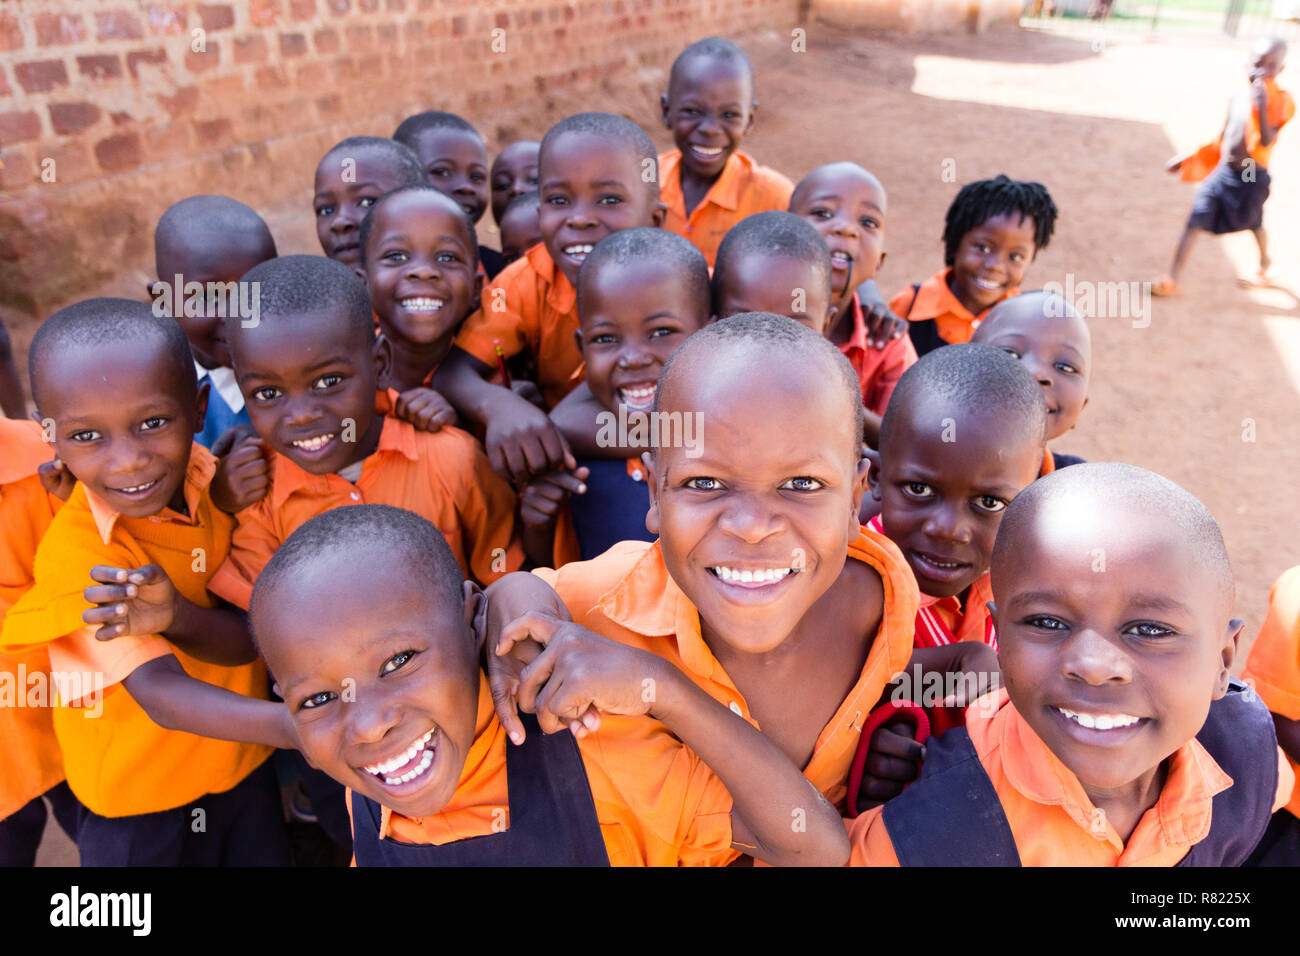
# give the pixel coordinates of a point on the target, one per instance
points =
(317, 700)
(394, 256)
(820, 212)
(916, 489)
(661, 332)
(440, 171)
(1149, 630)
(990, 503)
(610, 200)
(689, 111)
(153, 423)
(731, 115)
(365, 202)
(1067, 368)
(1010, 351)
(501, 184)
(477, 178)
(869, 223)
(603, 338)
(84, 436)
(802, 483)
(328, 381)
(396, 662)
(981, 247)
(323, 211)
(266, 393)
(531, 179)
(703, 484)
(1044, 622)
(556, 200)
(1017, 257)
(447, 257)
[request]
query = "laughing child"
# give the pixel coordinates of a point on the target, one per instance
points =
(514, 172)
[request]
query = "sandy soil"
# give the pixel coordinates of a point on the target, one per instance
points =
(1207, 391)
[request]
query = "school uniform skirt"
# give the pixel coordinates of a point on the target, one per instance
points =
(1230, 200)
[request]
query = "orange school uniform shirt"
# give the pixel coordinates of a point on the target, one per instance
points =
(1273, 667)
(741, 189)
(444, 477)
(1052, 820)
(934, 300)
(878, 369)
(531, 306)
(627, 595)
(29, 751)
(658, 804)
(1280, 108)
(118, 761)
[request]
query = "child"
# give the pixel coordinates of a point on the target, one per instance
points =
(520, 229)
(593, 182)
(641, 292)
(139, 528)
(514, 172)
(774, 262)
(455, 158)
(1236, 163)
(846, 204)
(749, 589)
(1088, 756)
(707, 184)
(30, 751)
(1045, 332)
(209, 240)
(420, 260)
(993, 230)
(309, 371)
(431, 778)
(349, 180)
(1273, 670)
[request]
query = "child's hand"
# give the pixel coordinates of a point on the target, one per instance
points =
(56, 479)
(425, 409)
(130, 601)
(579, 674)
(243, 476)
(522, 441)
(893, 761)
(529, 392)
(541, 500)
(882, 325)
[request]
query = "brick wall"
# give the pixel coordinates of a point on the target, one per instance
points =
(111, 110)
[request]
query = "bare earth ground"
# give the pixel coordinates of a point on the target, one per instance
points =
(1208, 393)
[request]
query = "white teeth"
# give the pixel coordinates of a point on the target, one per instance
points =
(751, 576)
(986, 284)
(641, 395)
(842, 256)
(707, 150)
(385, 767)
(313, 444)
(1100, 721)
(578, 251)
(146, 485)
(421, 304)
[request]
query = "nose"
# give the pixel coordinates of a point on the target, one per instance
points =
(580, 216)
(1039, 370)
(301, 411)
(845, 226)
(946, 523)
(748, 518)
(708, 125)
(1095, 660)
(128, 456)
(342, 223)
(370, 717)
(634, 355)
(419, 268)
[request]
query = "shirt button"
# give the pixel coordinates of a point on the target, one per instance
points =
(735, 709)
(636, 475)
(356, 496)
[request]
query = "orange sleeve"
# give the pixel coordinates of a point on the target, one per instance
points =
(869, 840)
(25, 513)
(898, 356)
(706, 819)
(80, 653)
(1274, 664)
(485, 507)
(510, 314)
(255, 539)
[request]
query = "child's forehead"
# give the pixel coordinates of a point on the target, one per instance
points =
(599, 155)
(772, 271)
(424, 211)
(1036, 318)
(518, 154)
(707, 74)
(927, 419)
(361, 164)
(842, 182)
(139, 370)
(297, 337)
(450, 139)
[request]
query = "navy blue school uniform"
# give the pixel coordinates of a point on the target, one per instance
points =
(614, 507)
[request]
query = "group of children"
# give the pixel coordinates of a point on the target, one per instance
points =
(640, 541)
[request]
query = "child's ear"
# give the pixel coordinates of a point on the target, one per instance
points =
(1228, 654)
(476, 292)
(658, 214)
(881, 261)
(651, 483)
(753, 111)
(577, 339)
(383, 356)
(475, 611)
(872, 459)
(859, 486)
(663, 110)
(201, 404)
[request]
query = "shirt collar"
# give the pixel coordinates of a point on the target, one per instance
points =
(560, 293)
(934, 298)
(397, 437)
(223, 381)
(198, 476)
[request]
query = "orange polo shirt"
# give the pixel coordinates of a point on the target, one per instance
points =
(118, 761)
(1280, 108)
(1052, 820)
(878, 369)
(741, 189)
(627, 595)
(442, 476)
(934, 300)
(658, 804)
(29, 750)
(1273, 667)
(531, 306)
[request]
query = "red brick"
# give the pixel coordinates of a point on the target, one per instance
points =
(118, 25)
(368, 5)
(264, 13)
(165, 21)
(209, 58)
(16, 127)
(59, 29)
(68, 118)
(359, 37)
(71, 161)
(4, 84)
(271, 78)
(328, 105)
(121, 151)
(302, 9)
(327, 41)
(37, 76)
(338, 7)
(396, 6)
(152, 57)
(292, 44)
(101, 66)
(211, 133)
(217, 17)
(17, 170)
(184, 101)
(387, 34)
(459, 25)
(250, 49)
(11, 34)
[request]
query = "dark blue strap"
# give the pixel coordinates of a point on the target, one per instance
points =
(951, 816)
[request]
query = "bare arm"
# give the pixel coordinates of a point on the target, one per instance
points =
(1288, 735)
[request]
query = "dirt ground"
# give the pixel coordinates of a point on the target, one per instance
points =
(1207, 392)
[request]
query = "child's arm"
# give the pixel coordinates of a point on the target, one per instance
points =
(539, 508)
(243, 475)
(1288, 736)
(144, 601)
(424, 409)
(520, 439)
(580, 670)
(1259, 98)
(578, 418)
(175, 700)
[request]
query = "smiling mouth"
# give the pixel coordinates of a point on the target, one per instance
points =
(638, 397)
(421, 304)
(750, 577)
(841, 260)
(313, 444)
(986, 284)
(936, 566)
(707, 152)
(137, 490)
(411, 763)
(1099, 721)
(578, 251)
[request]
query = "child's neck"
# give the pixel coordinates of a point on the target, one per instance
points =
(1125, 806)
(368, 443)
(695, 188)
(177, 504)
(414, 361)
(972, 307)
